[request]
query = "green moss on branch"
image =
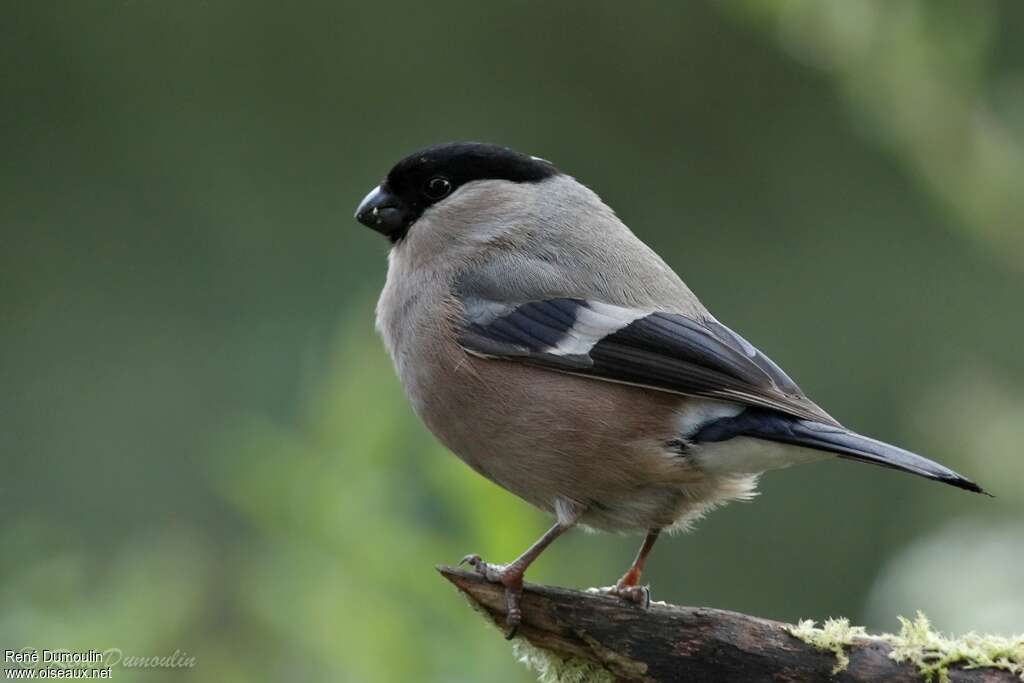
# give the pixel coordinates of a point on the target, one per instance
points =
(917, 643)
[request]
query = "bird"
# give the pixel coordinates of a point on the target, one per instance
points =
(555, 353)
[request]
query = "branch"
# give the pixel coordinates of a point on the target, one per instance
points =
(599, 637)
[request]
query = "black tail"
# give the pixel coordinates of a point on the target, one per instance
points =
(772, 426)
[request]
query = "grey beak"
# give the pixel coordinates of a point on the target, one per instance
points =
(383, 212)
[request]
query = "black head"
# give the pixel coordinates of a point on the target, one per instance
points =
(427, 177)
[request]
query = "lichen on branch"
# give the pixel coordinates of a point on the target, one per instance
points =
(575, 636)
(917, 643)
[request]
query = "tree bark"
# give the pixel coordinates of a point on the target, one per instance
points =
(673, 643)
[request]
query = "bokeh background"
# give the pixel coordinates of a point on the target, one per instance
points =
(204, 447)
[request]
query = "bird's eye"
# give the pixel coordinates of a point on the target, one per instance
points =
(437, 187)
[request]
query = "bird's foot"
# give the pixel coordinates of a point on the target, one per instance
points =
(509, 576)
(491, 572)
(638, 595)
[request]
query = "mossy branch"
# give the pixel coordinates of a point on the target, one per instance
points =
(577, 636)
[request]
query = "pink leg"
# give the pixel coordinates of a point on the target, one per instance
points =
(511, 575)
(628, 586)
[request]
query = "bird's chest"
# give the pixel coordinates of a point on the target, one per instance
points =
(417, 322)
(542, 435)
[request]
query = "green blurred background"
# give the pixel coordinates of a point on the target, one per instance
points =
(205, 448)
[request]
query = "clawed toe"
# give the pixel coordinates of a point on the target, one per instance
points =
(473, 560)
(509, 577)
(495, 573)
(638, 595)
(513, 615)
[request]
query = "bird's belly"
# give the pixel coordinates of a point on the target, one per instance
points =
(547, 437)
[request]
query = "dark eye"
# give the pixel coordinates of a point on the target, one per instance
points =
(437, 187)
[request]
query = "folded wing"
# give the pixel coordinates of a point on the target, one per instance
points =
(654, 349)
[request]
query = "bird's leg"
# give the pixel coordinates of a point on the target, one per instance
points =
(628, 586)
(511, 575)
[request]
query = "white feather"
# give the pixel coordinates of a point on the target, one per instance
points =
(747, 455)
(697, 413)
(593, 324)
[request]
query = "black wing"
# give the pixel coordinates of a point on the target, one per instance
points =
(658, 350)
